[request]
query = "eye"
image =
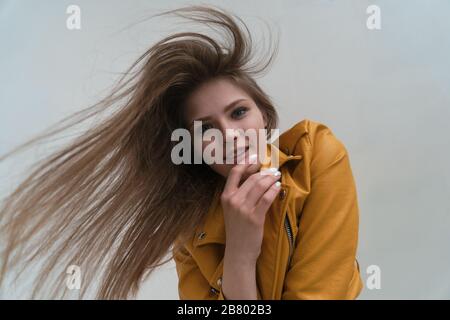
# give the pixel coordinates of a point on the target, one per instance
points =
(240, 111)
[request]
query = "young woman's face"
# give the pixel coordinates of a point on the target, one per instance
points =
(222, 105)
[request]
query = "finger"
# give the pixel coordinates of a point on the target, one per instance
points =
(267, 199)
(256, 165)
(254, 189)
(260, 189)
(235, 176)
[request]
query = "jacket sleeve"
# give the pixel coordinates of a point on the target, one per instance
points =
(324, 264)
(192, 285)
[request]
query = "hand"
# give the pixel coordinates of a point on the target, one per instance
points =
(245, 209)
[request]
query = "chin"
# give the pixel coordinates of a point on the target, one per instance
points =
(222, 169)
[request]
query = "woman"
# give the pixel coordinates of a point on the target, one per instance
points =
(115, 199)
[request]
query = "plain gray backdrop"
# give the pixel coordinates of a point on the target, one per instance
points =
(384, 93)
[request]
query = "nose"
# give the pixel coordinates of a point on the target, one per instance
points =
(234, 139)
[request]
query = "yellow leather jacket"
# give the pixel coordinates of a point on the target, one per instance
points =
(310, 234)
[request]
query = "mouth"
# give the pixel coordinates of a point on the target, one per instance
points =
(237, 154)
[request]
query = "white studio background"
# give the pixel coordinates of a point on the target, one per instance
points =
(385, 93)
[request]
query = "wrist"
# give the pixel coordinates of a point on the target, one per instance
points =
(233, 258)
(239, 278)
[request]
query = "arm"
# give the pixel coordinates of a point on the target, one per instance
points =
(239, 278)
(192, 285)
(324, 265)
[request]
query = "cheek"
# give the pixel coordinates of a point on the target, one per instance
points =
(210, 147)
(257, 118)
(220, 168)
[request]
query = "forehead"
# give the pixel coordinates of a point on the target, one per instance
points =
(212, 97)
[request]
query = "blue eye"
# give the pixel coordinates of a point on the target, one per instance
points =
(240, 111)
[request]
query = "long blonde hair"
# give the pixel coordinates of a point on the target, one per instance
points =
(112, 199)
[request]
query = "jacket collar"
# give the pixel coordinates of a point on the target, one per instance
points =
(213, 228)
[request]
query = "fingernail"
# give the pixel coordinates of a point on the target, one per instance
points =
(252, 157)
(277, 184)
(276, 174)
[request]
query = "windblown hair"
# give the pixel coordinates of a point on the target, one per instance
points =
(112, 200)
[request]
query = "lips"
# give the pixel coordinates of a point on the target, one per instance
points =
(236, 153)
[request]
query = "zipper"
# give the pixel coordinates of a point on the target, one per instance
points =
(290, 237)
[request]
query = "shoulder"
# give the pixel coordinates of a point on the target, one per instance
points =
(314, 140)
(310, 134)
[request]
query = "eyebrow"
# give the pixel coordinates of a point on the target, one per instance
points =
(229, 106)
